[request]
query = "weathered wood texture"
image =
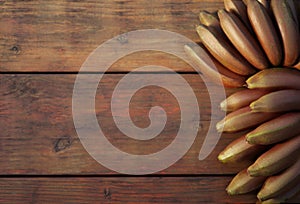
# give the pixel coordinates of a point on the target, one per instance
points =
(121, 190)
(59, 35)
(118, 190)
(38, 134)
(38, 137)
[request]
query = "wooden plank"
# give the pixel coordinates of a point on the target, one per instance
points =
(119, 190)
(38, 134)
(58, 35)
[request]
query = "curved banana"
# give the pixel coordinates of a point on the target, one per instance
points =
(265, 31)
(289, 30)
(221, 49)
(275, 78)
(275, 185)
(242, 119)
(278, 101)
(239, 150)
(276, 130)
(278, 158)
(239, 8)
(212, 68)
(242, 39)
(244, 183)
(241, 99)
(283, 197)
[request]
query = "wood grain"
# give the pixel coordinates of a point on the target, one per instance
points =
(38, 135)
(119, 190)
(59, 35)
(41, 157)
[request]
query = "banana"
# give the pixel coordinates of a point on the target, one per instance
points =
(278, 101)
(244, 183)
(242, 39)
(265, 31)
(212, 68)
(275, 78)
(239, 150)
(283, 197)
(289, 30)
(278, 158)
(275, 185)
(239, 8)
(241, 99)
(209, 20)
(276, 130)
(222, 50)
(242, 119)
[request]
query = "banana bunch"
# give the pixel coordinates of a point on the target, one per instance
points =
(271, 120)
(256, 44)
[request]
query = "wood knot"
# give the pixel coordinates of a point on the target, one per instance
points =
(63, 143)
(107, 193)
(16, 49)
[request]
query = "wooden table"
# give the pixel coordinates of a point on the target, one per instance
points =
(42, 47)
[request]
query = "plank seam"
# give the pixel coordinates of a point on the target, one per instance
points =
(65, 73)
(110, 176)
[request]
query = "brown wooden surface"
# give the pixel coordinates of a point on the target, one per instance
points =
(118, 190)
(39, 135)
(41, 157)
(59, 35)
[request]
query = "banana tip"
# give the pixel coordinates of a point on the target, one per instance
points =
(220, 126)
(261, 196)
(222, 157)
(230, 191)
(251, 171)
(249, 139)
(223, 105)
(221, 11)
(257, 106)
